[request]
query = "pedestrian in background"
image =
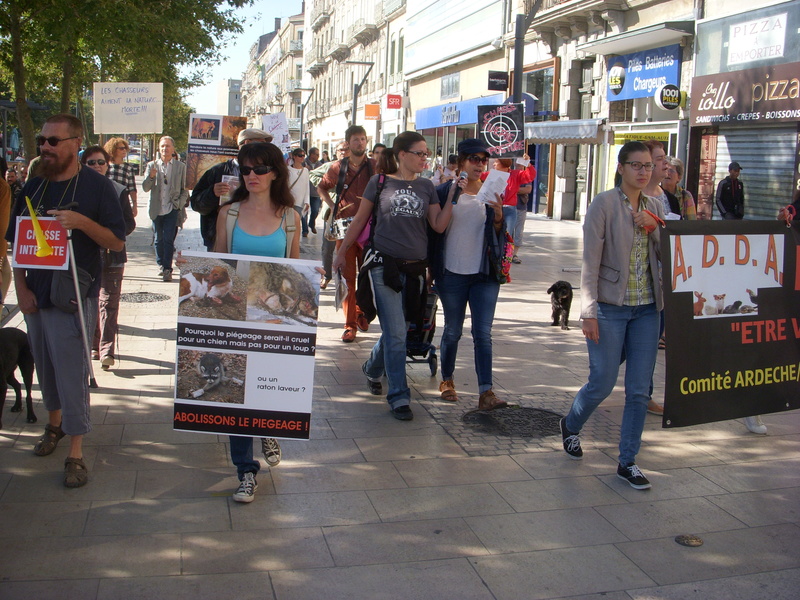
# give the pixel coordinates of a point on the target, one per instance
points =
(730, 194)
(298, 186)
(121, 172)
(310, 220)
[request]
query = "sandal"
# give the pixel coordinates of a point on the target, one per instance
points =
(271, 450)
(447, 391)
(49, 440)
(323, 283)
(75, 472)
(488, 401)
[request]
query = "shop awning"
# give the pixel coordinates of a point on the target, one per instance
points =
(578, 131)
(645, 38)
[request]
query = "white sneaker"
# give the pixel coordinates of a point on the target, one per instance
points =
(247, 489)
(756, 425)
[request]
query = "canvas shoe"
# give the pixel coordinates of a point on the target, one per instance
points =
(572, 443)
(247, 489)
(271, 450)
(755, 425)
(633, 475)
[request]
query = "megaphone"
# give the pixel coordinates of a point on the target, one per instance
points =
(42, 247)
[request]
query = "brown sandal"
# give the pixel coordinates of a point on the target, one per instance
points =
(75, 472)
(49, 440)
(488, 401)
(447, 391)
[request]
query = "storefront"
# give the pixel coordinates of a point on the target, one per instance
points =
(746, 107)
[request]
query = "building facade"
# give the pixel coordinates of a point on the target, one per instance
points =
(229, 97)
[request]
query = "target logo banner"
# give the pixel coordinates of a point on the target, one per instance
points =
(502, 127)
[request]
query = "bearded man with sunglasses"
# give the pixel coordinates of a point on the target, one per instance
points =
(206, 193)
(166, 181)
(54, 334)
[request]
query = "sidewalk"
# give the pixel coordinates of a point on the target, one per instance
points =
(372, 507)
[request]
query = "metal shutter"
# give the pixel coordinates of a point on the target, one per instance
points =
(766, 155)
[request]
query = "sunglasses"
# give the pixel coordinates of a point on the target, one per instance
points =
(300, 155)
(477, 158)
(52, 140)
(258, 170)
(99, 161)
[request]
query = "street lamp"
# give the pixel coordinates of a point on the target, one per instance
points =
(357, 86)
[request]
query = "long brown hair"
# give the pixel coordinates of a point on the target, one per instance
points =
(270, 156)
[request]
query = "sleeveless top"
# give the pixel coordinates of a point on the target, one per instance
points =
(273, 244)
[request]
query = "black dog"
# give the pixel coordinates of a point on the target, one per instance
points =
(15, 352)
(561, 300)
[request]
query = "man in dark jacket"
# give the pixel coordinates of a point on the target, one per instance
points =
(730, 194)
(207, 191)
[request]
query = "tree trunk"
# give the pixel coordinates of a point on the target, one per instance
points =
(20, 94)
(66, 80)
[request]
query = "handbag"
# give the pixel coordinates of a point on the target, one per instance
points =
(500, 251)
(62, 289)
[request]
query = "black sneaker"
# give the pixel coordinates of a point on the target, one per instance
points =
(271, 450)
(403, 413)
(633, 475)
(374, 385)
(572, 443)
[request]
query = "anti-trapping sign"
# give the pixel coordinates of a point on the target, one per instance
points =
(502, 128)
(128, 107)
(28, 242)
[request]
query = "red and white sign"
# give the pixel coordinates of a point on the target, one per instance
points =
(26, 245)
(394, 101)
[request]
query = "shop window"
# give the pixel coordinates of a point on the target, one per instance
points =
(451, 86)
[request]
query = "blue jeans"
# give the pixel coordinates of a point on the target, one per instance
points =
(389, 353)
(242, 455)
(510, 217)
(311, 216)
(165, 227)
(481, 292)
(634, 328)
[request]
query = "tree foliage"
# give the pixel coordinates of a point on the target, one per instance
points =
(51, 51)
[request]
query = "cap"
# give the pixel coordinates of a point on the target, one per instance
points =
(254, 134)
(734, 166)
(473, 146)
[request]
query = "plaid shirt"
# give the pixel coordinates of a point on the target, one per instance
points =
(640, 277)
(124, 174)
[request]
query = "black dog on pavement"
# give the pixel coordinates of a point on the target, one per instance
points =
(15, 352)
(561, 301)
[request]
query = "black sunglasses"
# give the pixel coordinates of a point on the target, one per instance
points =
(477, 158)
(258, 170)
(93, 162)
(52, 140)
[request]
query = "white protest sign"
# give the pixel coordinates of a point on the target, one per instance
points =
(128, 107)
(276, 125)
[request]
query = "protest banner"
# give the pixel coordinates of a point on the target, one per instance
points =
(502, 128)
(128, 107)
(246, 341)
(212, 139)
(28, 242)
(732, 316)
(277, 125)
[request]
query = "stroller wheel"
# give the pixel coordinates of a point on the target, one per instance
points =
(433, 362)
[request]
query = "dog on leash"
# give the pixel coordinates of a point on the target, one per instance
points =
(215, 286)
(15, 352)
(561, 301)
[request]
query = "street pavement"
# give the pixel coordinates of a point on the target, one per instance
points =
(372, 507)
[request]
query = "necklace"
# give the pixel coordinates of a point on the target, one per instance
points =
(46, 182)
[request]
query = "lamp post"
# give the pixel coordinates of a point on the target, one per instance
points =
(357, 86)
(303, 111)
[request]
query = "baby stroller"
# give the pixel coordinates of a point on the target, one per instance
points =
(419, 343)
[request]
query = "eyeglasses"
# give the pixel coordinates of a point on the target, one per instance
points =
(300, 155)
(638, 166)
(420, 153)
(477, 158)
(99, 161)
(53, 140)
(258, 170)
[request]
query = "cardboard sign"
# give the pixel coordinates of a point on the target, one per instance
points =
(732, 315)
(26, 245)
(128, 107)
(502, 127)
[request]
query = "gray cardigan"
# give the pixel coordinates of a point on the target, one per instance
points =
(178, 193)
(607, 245)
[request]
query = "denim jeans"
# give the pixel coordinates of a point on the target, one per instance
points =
(522, 216)
(165, 227)
(510, 217)
(389, 353)
(242, 455)
(480, 292)
(311, 218)
(634, 328)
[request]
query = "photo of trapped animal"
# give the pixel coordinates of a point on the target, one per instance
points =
(205, 129)
(561, 302)
(210, 289)
(282, 293)
(211, 376)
